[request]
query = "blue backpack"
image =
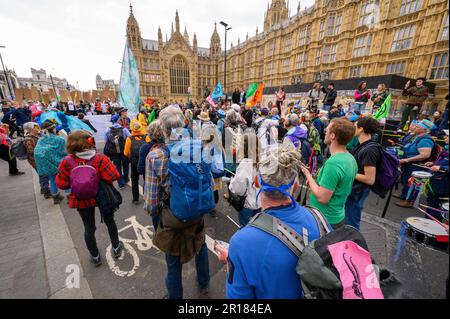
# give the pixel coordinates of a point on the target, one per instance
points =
(191, 184)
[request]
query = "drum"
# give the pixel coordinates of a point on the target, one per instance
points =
(427, 232)
(422, 176)
(416, 184)
(444, 213)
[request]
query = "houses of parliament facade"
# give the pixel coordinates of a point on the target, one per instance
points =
(332, 40)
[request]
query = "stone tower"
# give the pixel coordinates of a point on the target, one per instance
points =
(277, 12)
(133, 32)
(215, 46)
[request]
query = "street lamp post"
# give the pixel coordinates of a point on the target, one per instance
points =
(227, 28)
(11, 93)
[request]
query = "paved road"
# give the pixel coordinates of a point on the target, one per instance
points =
(422, 270)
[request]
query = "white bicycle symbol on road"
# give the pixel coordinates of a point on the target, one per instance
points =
(143, 242)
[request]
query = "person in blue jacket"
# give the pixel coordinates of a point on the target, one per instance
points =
(260, 266)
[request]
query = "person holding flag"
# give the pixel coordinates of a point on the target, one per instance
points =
(379, 97)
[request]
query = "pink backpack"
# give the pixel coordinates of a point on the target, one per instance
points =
(84, 179)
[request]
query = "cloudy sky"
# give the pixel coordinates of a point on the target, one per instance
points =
(77, 39)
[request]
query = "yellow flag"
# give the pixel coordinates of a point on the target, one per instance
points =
(257, 97)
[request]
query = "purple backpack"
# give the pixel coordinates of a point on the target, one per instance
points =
(388, 172)
(84, 179)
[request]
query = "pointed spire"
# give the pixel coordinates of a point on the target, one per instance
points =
(131, 9)
(299, 7)
(246, 37)
(172, 29)
(177, 22)
(256, 30)
(185, 31)
(194, 42)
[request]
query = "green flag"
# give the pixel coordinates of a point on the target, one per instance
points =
(251, 90)
(383, 111)
(151, 117)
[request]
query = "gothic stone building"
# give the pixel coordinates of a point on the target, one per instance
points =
(332, 40)
(171, 69)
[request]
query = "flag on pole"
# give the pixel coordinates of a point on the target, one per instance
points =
(251, 90)
(257, 96)
(211, 101)
(218, 92)
(383, 111)
(129, 96)
(58, 94)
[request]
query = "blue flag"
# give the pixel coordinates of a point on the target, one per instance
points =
(217, 94)
(129, 96)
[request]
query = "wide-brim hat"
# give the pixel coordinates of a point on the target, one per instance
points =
(204, 116)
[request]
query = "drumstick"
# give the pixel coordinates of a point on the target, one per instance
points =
(428, 207)
(428, 168)
(431, 217)
(231, 219)
(229, 172)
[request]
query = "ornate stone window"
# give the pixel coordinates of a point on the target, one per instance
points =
(444, 29)
(403, 38)
(301, 60)
(334, 24)
(369, 13)
(329, 53)
(356, 71)
(305, 34)
(396, 67)
(362, 45)
(439, 68)
(410, 6)
(179, 76)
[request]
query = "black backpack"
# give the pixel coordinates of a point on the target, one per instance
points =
(116, 142)
(136, 145)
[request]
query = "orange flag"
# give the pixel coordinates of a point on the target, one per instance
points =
(257, 97)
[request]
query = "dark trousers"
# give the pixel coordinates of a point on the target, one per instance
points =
(174, 281)
(14, 128)
(88, 217)
(408, 113)
(122, 164)
(6, 156)
(434, 200)
(135, 180)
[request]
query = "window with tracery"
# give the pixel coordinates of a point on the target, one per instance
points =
(179, 76)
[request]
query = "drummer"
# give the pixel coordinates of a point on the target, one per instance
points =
(417, 151)
(439, 182)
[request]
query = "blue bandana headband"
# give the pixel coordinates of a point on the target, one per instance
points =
(282, 189)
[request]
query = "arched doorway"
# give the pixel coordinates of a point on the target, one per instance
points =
(179, 76)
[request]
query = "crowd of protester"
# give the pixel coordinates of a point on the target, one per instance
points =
(259, 156)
